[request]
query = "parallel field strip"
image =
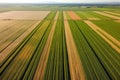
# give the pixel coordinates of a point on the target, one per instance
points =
(40, 71)
(25, 52)
(76, 68)
(57, 66)
(111, 27)
(106, 55)
(108, 38)
(108, 15)
(16, 42)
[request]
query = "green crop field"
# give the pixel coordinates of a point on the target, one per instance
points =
(66, 42)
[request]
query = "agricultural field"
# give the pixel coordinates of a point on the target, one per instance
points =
(60, 45)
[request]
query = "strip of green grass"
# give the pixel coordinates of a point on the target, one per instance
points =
(106, 55)
(99, 16)
(88, 58)
(57, 66)
(84, 14)
(111, 27)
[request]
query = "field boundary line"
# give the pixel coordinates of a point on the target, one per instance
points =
(40, 71)
(76, 68)
(7, 50)
(100, 32)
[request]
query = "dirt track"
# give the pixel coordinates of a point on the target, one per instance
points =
(39, 75)
(76, 68)
(108, 15)
(108, 38)
(6, 51)
(73, 15)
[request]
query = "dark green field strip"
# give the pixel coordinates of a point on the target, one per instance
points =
(89, 60)
(19, 63)
(111, 27)
(51, 15)
(106, 55)
(57, 66)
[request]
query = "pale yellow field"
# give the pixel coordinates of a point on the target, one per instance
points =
(24, 15)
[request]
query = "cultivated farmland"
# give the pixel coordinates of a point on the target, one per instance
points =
(24, 15)
(60, 45)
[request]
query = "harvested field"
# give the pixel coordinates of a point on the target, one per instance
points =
(73, 15)
(108, 15)
(24, 15)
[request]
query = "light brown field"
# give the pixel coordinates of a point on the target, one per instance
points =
(76, 68)
(108, 15)
(108, 38)
(73, 15)
(24, 15)
(39, 75)
(13, 43)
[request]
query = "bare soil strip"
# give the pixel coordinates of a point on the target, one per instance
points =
(76, 68)
(108, 15)
(73, 15)
(108, 38)
(6, 51)
(112, 13)
(39, 75)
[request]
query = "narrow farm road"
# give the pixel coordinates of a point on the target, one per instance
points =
(108, 38)
(7, 50)
(39, 75)
(108, 15)
(76, 68)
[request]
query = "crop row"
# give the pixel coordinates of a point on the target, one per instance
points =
(57, 66)
(97, 57)
(23, 60)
